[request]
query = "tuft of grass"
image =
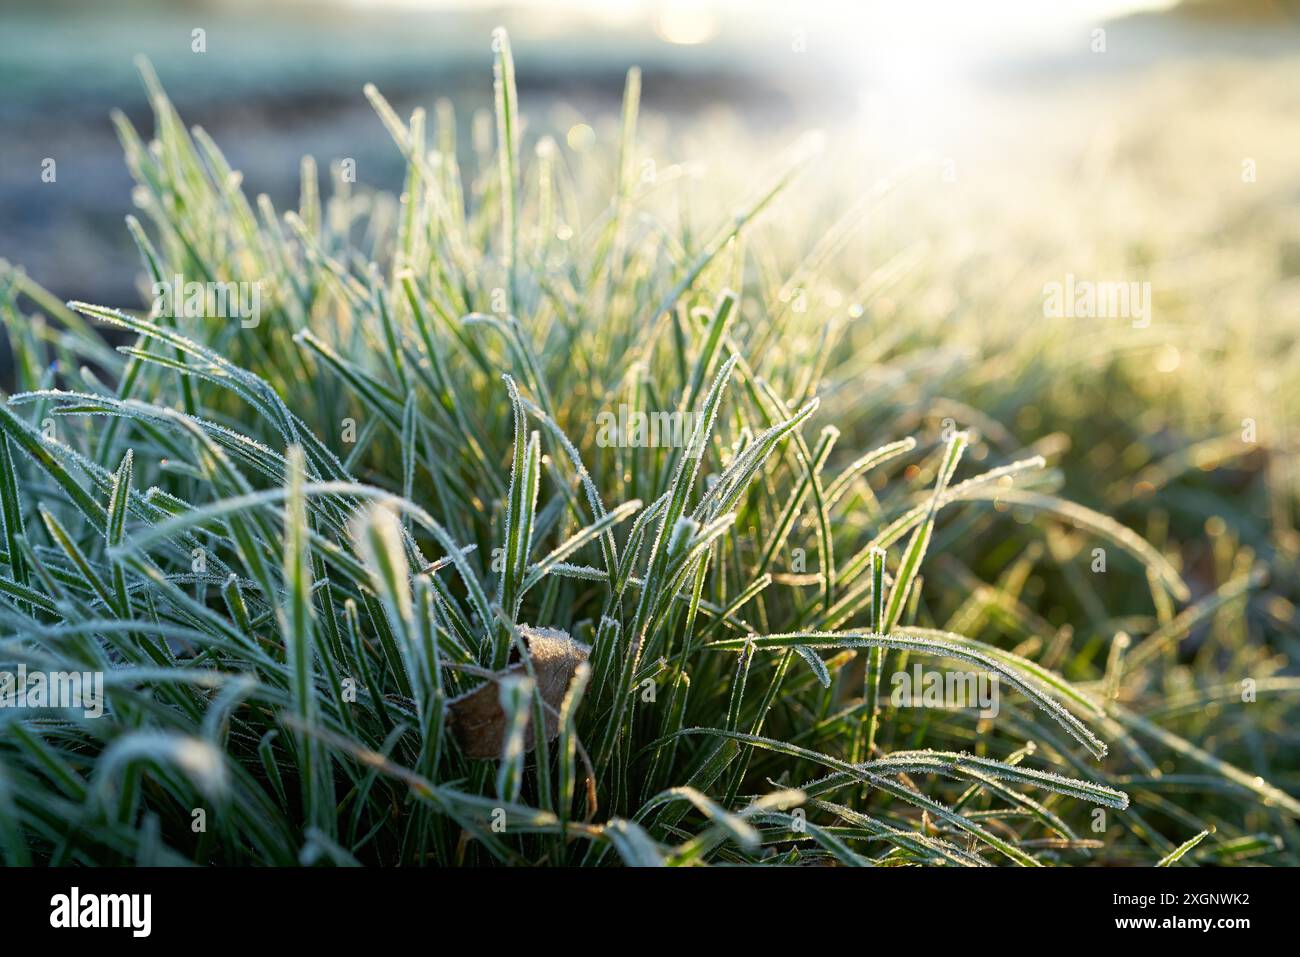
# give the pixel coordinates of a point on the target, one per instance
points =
(289, 545)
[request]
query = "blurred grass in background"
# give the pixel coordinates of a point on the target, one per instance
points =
(282, 78)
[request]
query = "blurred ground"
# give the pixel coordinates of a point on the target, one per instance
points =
(279, 80)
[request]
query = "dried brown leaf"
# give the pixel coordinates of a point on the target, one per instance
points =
(476, 717)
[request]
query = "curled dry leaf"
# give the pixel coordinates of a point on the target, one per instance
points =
(476, 717)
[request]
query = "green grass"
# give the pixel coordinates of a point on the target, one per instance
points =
(297, 549)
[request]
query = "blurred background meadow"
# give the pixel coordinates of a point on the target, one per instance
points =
(972, 155)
